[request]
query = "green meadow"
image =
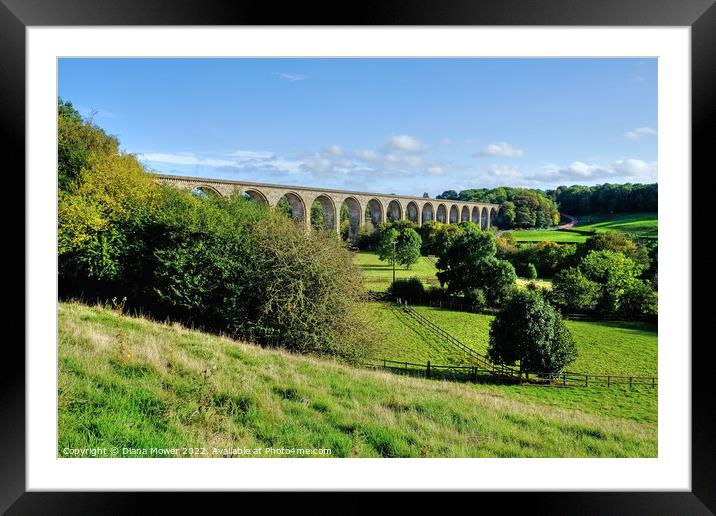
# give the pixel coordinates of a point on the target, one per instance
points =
(638, 225)
(130, 382)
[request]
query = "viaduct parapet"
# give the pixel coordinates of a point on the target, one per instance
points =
(380, 207)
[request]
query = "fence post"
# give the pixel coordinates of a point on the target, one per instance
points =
(564, 378)
(630, 380)
(474, 373)
(653, 381)
(427, 372)
(586, 380)
(384, 364)
(609, 383)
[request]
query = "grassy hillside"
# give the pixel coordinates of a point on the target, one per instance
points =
(641, 225)
(129, 382)
(614, 347)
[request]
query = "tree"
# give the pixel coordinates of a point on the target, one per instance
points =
(317, 215)
(387, 244)
(406, 250)
(469, 262)
(619, 243)
(613, 272)
(426, 195)
(638, 299)
(530, 331)
(78, 140)
(574, 292)
(509, 213)
(408, 247)
(459, 262)
(497, 279)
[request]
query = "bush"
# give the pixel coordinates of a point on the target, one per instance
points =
(409, 288)
(477, 299)
(227, 265)
(530, 331)
(531, 272)
(437, 293)
(639, 299)
(575, 293)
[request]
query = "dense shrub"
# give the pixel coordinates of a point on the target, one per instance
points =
(529, 330)
(575, 293)
(531, 272)
(476, 299)
(638, 299)
(222, 264)
(618, 243)
(407, 288)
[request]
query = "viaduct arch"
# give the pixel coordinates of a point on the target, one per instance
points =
(362, 206)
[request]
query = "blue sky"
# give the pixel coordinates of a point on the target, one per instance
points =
(403, 126)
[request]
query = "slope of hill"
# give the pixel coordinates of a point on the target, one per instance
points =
(638, 225)
(132, 383)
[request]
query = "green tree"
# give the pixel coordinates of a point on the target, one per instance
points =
(639, 298)
(575, 293)
(408, 247)
(469, 262)
(78, 140)
(317, 216)
(497, 279)
(529, 330)
(613, 272)
(619, 243)
(387, 244)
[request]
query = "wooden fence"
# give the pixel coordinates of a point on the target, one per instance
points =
(482, 366)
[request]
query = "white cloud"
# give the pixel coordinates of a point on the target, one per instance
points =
(622, 170)
(501, 149)
(185, 158)
(436, 170)
(249, 154)
(405, 143)
(292, 77)
(639, 132)
(504, 171)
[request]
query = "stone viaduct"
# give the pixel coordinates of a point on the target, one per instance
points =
(380, 207)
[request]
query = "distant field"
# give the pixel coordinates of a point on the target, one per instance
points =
(378, 275)
(641, 225)
(613, 347)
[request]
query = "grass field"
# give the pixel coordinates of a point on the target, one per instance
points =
(641, 225)
(128, 382)
(378, 275)
(613, 347)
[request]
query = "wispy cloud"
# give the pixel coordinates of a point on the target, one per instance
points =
(291, 77)
(405, 143)
(185, 158)
(639, 133)
(501, 149)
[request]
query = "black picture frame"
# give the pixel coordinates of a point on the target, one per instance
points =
(700, 15)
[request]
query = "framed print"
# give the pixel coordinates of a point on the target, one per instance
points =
(416, 247)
